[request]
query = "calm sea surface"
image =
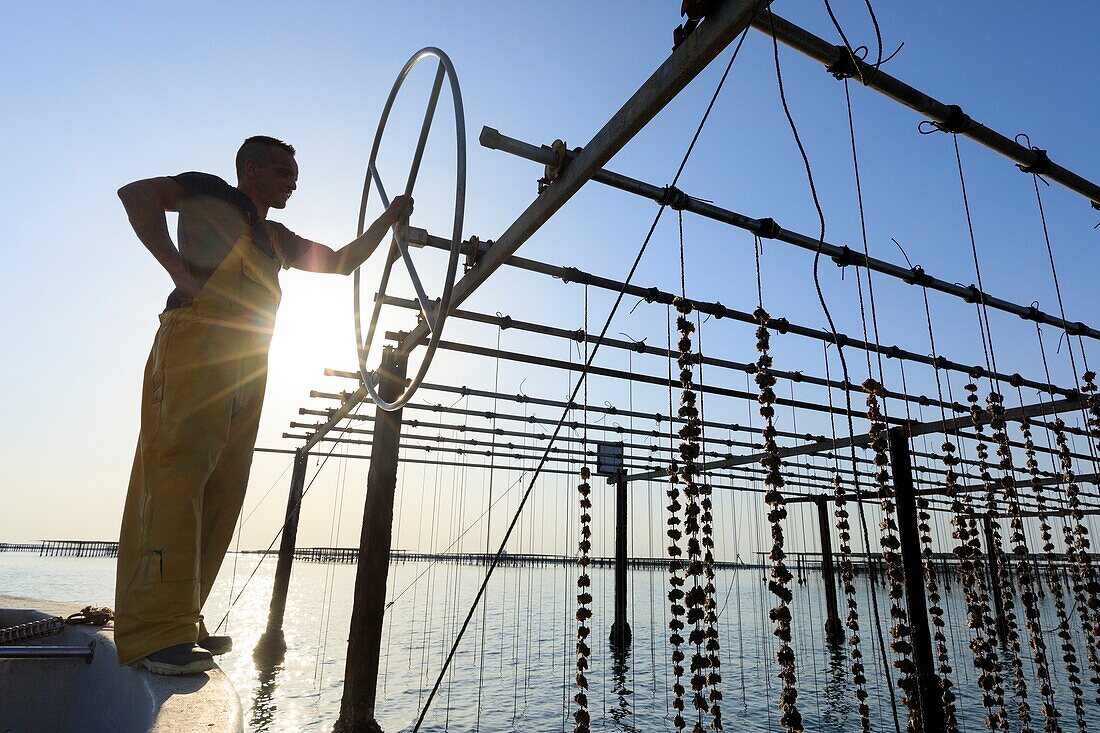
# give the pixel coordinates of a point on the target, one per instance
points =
(515, 666)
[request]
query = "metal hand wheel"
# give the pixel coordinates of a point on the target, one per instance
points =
(434, 313)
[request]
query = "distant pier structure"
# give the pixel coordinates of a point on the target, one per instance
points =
(351, 554)
(69, 548)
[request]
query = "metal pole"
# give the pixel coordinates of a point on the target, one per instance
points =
(925, 428)
(272, 641)
(505, 321)
(859, 441)
(841, 255)
(372, 569)
(834, 628)
(992, 558)
(620, 628)
(658, 417)
(639, 378)
(928, 685)
(716, 309)
(939, 490)
(830, 55)
(49, 652)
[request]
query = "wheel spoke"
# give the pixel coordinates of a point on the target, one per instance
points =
(402, 246)
(425, 128)
(381, 188)
(387, 268)
(426, 307)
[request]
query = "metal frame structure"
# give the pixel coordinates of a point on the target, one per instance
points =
(392, 432)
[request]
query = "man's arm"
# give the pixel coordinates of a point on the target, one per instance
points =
(319, 258)
(145, 203)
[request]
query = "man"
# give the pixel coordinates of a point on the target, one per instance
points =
(204, 388)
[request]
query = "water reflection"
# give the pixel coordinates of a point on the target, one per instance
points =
(621, 713)
(269, 657)
(524, 657)
(837, 691)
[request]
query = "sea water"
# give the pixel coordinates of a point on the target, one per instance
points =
(515, 665)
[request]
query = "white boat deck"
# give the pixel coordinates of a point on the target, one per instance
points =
(40, 695)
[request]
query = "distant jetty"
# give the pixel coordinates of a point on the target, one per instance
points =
(70, 548)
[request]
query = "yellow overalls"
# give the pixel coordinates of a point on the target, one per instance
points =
(200, 409)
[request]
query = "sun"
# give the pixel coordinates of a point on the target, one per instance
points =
(314, 329)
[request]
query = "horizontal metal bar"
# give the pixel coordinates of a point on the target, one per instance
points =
(830, 55)
(672, 446)
(1011, 415)
(958, 432)
(841, 255)
(752, 474)
(720, 311)
(1087, 478)
(657, 417)
(647, 451)
(792, 478)
(641, 378)
(935, 504)
(613, 410)
(87, 653)
(504, 322)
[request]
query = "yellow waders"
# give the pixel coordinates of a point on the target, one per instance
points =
(200, 409)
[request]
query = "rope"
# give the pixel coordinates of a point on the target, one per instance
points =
(89, 616)
(1072, 536)
(488, 528)
(847, 575)
(291, 512)
(699, 598)
(328, 590)
(840, 354)
(710, 604)
(866, 247)
(675, 594)
(855, 65)
(935, 609)
(980, 306)
(1069, 652)
(968, 553)
(995, 408)
(582, 716)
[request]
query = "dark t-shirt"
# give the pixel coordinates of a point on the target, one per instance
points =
(213, 217)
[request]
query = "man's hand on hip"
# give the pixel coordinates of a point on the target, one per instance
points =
(187, 283)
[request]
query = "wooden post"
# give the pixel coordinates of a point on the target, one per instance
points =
(994, 574)
(272, 643)
(620, 628)
(834, 628)
(372, 569)
(928, 684)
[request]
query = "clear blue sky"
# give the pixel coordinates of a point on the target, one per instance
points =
(97, 95)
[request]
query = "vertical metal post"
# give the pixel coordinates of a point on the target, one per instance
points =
(620, 628)
(272, 641)
(372, 570)
(994, 573)
(928, 685)
(834, 629)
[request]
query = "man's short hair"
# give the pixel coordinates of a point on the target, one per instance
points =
(258, 149)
